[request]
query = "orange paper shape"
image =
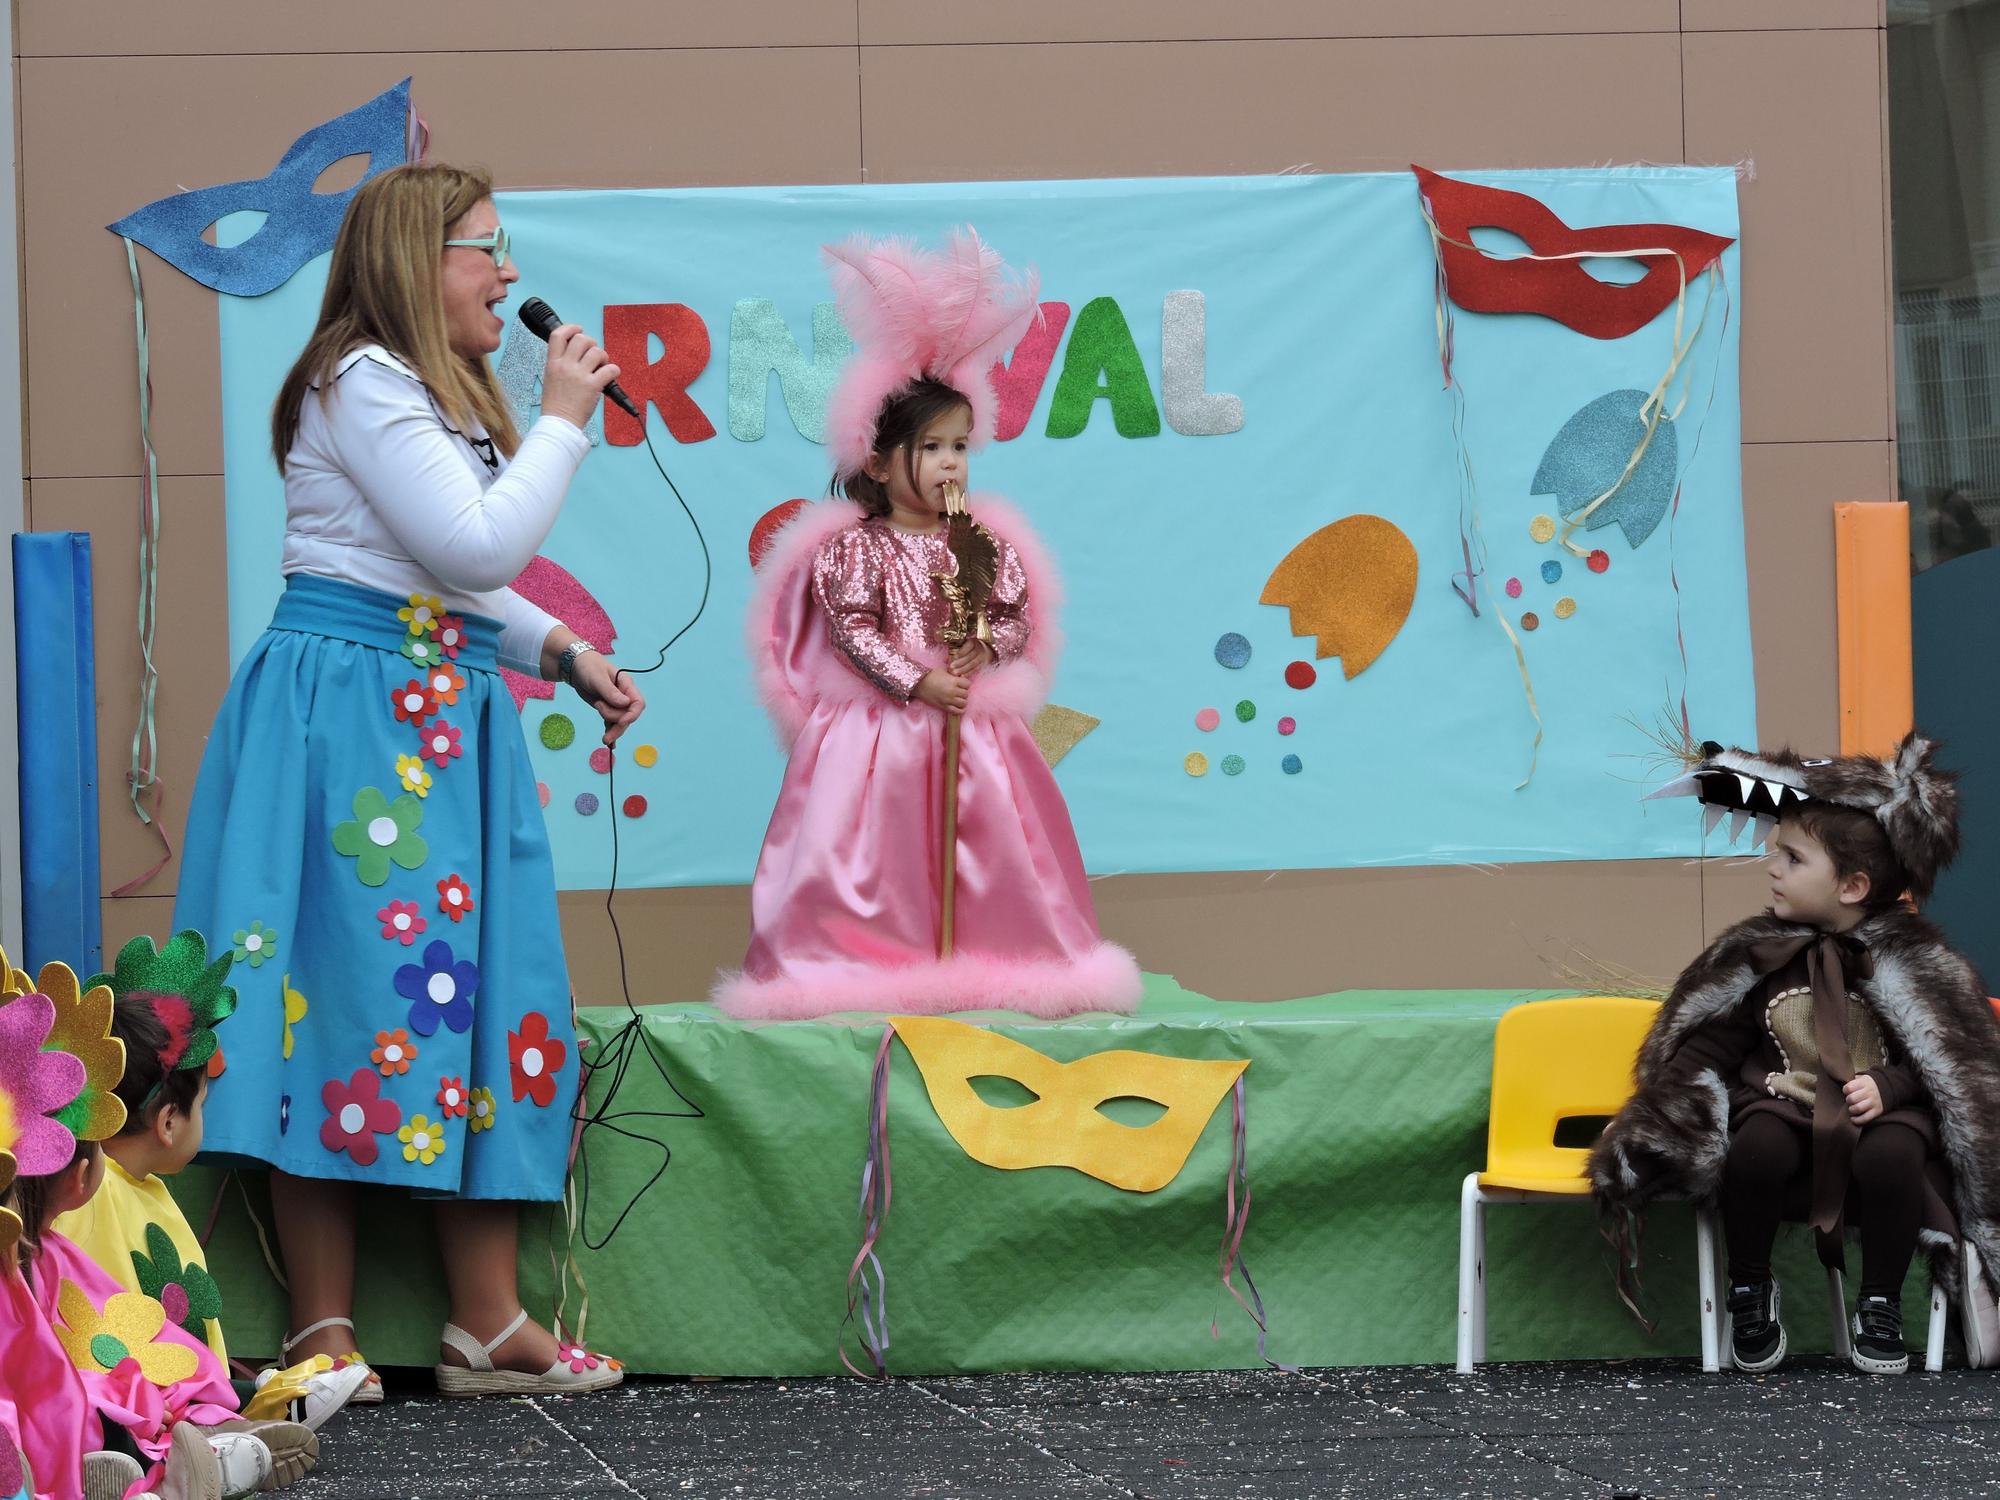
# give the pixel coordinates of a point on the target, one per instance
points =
(1063, 1127)
(1351, 585)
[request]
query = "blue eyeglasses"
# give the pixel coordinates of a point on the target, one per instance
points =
(495, 245)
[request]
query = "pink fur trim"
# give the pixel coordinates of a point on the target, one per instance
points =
(1105, 979)
(793, 676)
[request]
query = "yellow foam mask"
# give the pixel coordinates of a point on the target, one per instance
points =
(1063, 1126)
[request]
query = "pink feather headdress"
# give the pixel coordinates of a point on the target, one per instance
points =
(914, 314)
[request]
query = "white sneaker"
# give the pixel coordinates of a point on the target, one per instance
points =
(328, 1393)
(245, 1462)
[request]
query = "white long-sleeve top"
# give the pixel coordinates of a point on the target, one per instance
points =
(382, 491)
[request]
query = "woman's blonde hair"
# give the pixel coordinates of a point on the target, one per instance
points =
(383, 288)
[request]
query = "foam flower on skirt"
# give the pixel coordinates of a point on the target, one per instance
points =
(128, 1328)
(451, 1097)
(255, 945)
(381, 833)
(412, 702)
(421, 650)
(454, 897)
(422, 1141)
(445, 682)
(422, 614)
(534, 1058)
(401, 922)
(184, 989)
(188, 1294)
(411, 773)
(356, 1113)
(295, 1012)
(450, 635)
(440, 990)
(439, 743)
(393, 1052)
(485, 1110)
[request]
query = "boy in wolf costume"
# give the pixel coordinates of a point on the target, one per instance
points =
(1832, 1059)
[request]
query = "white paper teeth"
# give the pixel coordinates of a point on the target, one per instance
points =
(1710, 816)
(1764, 830)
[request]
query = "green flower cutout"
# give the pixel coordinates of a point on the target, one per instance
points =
(422, 650)
(382, 831)
(256, 945)
(186, 991)
(188, 1293)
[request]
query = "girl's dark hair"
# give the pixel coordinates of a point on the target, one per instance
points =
(902, 420)
(135, 1023)
(33, 1199)
(1857, 845)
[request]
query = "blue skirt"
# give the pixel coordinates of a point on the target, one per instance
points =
(366, 839)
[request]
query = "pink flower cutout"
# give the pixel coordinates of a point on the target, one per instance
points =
(437, 742)
(356, 1113)
(37, 1084)
(577, 1357)
(402, 922)
(451, 635)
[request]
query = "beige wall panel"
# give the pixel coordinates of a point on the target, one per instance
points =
(1254, 936)
(1805, 107)
(793, 117)
(1789, 491)
(136, 916)
(196, 27)
(1247, 107)
(900, 22)
(1733, 887)
(1780, 15)
(191, 648)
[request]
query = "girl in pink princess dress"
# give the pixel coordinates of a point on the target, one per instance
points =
(844, 633)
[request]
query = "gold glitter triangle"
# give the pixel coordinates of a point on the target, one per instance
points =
(1058, 730)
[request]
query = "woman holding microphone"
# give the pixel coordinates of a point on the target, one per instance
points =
(366, 837)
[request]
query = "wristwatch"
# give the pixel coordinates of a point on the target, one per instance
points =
(566, 663)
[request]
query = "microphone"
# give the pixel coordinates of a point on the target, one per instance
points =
(540, 319)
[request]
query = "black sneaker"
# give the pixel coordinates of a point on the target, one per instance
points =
(1878, 1337)
(1757, 1340)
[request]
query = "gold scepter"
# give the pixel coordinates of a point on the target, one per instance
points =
(966, 591)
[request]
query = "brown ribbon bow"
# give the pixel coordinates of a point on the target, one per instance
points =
(1831, 959)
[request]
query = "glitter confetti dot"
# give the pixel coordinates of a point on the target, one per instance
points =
(586, 803)
(1287, 724)
(1598, 561)
(1513, 588)
(1542, 528)
(558, 732)
(1207, 719)
(1232, 765)
(1292, 765)
(1565, 607)
(1552, 571)
(542, 792)
(1245, 711)
(1196, 764)
(647, 755)
(1232, 650)
(1531, 621)
(1300, 674)
(600, 759)
(635, 806)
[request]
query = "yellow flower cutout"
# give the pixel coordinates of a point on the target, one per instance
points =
(10, 1222)
(422, 1141)
(12, 981)
(410, 769)
(126, 1329)
(422, 614)
(83, 1030)
(295, 1011)
(479, 1116)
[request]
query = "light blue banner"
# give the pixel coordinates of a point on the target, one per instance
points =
(1320, 317)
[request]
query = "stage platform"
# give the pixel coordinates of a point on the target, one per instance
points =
(1365, 1109)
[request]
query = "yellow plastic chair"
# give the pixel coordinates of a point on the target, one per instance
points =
(1555, 1060)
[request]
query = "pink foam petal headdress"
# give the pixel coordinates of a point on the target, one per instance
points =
(914, 314)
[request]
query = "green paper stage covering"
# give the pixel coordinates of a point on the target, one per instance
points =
(1365, 1110)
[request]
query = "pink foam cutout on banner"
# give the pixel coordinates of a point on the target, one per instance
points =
(554, 588)
(1019, 380)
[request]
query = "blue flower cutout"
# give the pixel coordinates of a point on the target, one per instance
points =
(284, 1113)
(439, 989)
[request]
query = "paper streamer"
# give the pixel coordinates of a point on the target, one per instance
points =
(1192, 410)
(299, 223)
(760, 344)
(1103, 362)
